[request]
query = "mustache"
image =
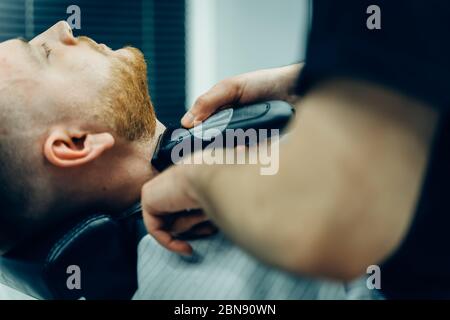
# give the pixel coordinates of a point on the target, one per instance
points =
(92, 44)
(136, 54)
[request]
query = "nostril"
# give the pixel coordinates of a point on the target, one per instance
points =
(67, 37)
(64, 29)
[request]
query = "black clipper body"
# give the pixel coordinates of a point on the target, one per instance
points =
(272, 115)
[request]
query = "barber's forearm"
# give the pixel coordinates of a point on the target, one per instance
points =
(239, 200)
(273, 217)
(268, 84)
(291, 74)
(329, 211)
(288, 81)
(265, 214)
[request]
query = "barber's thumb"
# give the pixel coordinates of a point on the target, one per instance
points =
(195, 115)
(188, 119)
(203, 107)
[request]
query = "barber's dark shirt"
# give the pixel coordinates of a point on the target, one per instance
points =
(410, 54)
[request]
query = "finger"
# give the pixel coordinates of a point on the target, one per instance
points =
(205, 229)
(186, 223)
(224, 93)
(199, 231)
(154, 226)
(167, 193)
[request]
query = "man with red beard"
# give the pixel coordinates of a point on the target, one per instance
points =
(77, 131)
(77, 128)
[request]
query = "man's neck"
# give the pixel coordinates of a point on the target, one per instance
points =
(112, 185)
(122, 188)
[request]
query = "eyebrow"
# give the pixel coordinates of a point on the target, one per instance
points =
(31, 53)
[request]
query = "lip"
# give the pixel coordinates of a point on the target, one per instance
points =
(98, 46)
(104, 46)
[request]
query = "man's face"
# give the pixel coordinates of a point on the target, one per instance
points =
(58, 74)
(64, 103)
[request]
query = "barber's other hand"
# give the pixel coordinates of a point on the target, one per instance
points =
(162, 199)
(269, 84)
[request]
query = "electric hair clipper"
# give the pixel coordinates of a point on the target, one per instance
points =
(269, 116)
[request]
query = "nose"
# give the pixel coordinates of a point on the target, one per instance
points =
(65, 33)
(60, 32)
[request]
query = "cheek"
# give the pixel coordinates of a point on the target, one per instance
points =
(85, 73)
(82, 63)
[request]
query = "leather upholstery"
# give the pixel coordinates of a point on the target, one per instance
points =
(103, 247)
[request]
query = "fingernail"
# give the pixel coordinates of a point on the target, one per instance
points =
(188, 119)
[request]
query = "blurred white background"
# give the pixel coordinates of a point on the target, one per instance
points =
(229, 37)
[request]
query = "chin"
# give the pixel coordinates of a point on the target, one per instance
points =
(125, 53)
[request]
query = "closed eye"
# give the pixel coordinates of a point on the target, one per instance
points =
(47, 49)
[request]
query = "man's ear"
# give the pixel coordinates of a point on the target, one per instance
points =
(70, 148)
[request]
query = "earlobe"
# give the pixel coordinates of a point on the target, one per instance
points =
(69, 148)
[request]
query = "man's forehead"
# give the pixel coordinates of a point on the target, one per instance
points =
(15, 64)
(15, 55)
(6, 60)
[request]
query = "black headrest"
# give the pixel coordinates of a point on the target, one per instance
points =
(95, 258)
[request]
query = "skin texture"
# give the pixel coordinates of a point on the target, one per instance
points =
(263, 85)
(77, 130)
(349, 179)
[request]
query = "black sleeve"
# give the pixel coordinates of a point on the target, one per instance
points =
(410, 53)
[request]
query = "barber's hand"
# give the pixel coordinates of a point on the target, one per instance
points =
(270, 84)
(162, 198)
